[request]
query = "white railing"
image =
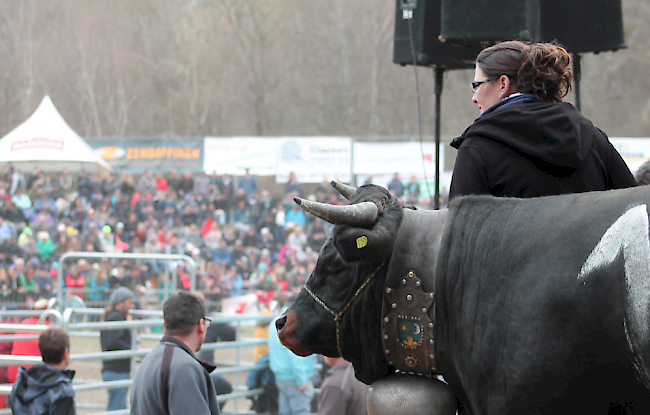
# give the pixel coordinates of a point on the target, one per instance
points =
(149, 319)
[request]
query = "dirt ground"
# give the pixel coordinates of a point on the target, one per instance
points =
(90, 371)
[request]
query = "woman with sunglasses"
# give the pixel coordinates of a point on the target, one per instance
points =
(527, 142)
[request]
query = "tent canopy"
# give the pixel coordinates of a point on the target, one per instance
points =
(47, 141)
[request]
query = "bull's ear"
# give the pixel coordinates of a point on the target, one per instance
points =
(360, 244)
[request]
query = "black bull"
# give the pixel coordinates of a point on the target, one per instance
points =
(541, 305)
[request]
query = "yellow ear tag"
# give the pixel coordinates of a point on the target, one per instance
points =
(361, 242)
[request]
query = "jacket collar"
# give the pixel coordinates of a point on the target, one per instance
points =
(516, 98)
(170, 339)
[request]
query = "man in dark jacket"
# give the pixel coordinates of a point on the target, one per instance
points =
(121, 303)
(396, 186)
(46, 388)
(171, 380)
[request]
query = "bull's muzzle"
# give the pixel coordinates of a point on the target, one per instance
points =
(287, 325)
(280, 322)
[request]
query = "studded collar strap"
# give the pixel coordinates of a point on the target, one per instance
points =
(408, 327)
(338, 316)
(408, 310)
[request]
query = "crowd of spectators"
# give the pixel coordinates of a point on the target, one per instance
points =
(242, 237)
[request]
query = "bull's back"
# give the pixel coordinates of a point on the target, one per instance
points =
(521, 327)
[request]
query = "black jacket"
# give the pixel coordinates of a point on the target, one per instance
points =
(43, 389)
(536, 149)
(116, 340)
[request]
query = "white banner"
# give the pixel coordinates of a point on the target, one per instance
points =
(234, 155)
(635, 151)
(314, 159)
(405, 158)
(243, 304)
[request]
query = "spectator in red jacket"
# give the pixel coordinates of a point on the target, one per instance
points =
(27, 347)
(75, 280)
(5, 348)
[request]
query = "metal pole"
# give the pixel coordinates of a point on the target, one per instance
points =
(166, 282)
(174, 278)
(193, 278)
(134, 347)
(439, 72)
(237, 362)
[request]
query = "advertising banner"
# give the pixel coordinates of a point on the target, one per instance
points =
(313, 159)
(635, 151)
(405, 158)
(234, 155)
(159, 154)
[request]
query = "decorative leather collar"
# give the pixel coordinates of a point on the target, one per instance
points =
(408, 311)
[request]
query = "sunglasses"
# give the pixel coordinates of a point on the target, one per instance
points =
(477, 84)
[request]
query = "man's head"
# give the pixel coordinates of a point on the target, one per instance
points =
(184, 314)
(122, 300)
(83, 265)
(54, 345)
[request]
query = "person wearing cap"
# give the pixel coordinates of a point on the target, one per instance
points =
(106, 239)
(121, 303)
(122, 238)
(24, 236)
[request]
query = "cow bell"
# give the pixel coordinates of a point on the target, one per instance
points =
(410, 394)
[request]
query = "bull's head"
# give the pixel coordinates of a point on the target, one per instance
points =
(361, 242)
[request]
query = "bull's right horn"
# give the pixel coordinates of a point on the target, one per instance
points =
(345, 190)
(359, 214)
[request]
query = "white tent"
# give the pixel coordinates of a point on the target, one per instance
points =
(47, 141)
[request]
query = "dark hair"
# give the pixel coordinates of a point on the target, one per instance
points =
(182, 312)
(642, 175)
(543, 69)
(53, 343)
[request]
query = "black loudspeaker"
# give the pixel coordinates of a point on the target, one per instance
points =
(489, 21)
(425, 27)
(583, 26)
(580, 25)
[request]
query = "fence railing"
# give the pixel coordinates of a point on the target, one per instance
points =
(143, 320)
(163, 257)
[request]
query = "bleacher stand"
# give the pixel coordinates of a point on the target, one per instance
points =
(242, 236)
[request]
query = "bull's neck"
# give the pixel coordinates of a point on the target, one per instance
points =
(417, 244)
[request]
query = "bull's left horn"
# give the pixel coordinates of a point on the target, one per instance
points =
(359, 214)
(345, 190)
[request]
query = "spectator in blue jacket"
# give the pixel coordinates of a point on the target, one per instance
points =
(293, 376)
(46, 388)
(295, 215)
(222, 253)
(248, 183)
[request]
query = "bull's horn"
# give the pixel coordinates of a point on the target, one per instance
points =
(359, 214)
(345, 190)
